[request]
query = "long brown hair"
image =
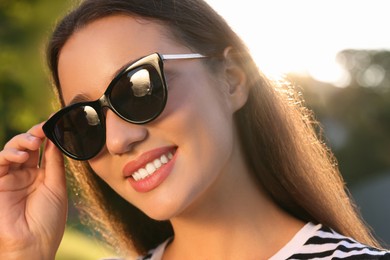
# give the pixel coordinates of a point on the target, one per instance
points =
(277, 132)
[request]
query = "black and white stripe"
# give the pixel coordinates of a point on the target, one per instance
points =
(328, 244)
(312, 242)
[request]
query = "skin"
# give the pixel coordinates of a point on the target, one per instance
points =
(209, 189)
(33, 200)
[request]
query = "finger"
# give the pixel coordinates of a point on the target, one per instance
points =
(37, 130)
(53, 164)
(34, 159)
(25, 141)
(31, 137)
(22, 149)
(9, 157)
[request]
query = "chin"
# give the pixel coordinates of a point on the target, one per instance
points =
(163, 212)
(159, 215)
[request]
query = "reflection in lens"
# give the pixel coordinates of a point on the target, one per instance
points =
(139, 95)
(80, 132)
(140, 82)
(91, 115)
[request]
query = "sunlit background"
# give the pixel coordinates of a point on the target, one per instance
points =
(336, 52)
(304, 36)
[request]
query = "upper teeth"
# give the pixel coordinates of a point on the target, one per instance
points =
(151, 167)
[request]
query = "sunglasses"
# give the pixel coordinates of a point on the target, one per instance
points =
(137, 94)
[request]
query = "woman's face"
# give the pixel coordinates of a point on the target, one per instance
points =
(191, 144)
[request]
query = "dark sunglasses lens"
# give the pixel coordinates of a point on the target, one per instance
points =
(80, 132)
(139, 94)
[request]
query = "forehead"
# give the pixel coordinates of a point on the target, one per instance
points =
(93, 54)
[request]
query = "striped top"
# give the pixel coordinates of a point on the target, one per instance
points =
(311, 242)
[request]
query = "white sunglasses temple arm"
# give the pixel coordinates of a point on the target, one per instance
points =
(182, 56)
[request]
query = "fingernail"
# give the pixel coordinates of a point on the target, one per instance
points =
(21, 152)
(32, 138)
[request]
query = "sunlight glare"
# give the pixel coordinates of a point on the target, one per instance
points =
(304, 36)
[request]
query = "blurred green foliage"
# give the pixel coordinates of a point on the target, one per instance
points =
(25, 95)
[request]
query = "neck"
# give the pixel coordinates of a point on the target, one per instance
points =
(240, 223)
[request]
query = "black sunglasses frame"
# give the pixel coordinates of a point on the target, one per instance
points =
(155, 60)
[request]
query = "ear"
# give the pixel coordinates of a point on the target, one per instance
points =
(236, 80)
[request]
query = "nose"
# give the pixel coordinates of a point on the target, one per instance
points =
(121, 136)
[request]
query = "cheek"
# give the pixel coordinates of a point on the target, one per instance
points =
(108, 170)
(199, 116)
(102, 167)
(198, 122)
(197, 97)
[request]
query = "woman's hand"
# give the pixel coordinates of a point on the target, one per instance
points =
(33, 200)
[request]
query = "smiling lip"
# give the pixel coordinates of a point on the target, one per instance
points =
(150, 182)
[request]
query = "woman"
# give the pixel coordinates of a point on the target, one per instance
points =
(222, 164)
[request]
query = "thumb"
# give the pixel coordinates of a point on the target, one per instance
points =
(53, 165)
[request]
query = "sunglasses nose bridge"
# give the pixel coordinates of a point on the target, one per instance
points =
(104, 102)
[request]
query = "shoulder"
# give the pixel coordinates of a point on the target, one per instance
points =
(325, 243)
